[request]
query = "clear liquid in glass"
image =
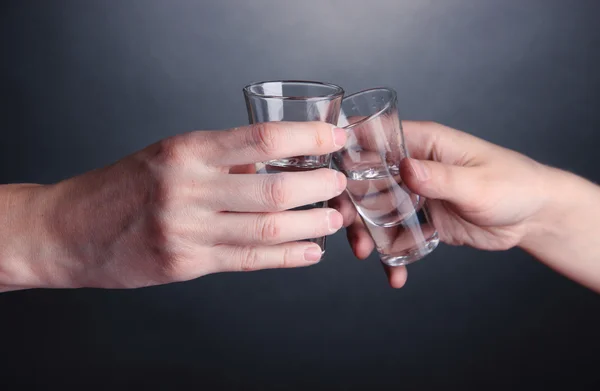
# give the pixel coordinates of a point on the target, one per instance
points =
(396, 218)
(296, 164)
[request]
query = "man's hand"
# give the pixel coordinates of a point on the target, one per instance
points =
(184, 207)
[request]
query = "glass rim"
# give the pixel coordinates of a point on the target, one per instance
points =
(337, 90)
(377, 113)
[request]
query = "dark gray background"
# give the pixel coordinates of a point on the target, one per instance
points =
(85, 82)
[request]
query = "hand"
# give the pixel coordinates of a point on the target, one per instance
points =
(479, 194)
(184, 207)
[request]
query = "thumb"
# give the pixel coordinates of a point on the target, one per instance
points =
(456, 184)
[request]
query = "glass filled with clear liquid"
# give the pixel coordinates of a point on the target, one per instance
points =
(397, 219)
(290, 100)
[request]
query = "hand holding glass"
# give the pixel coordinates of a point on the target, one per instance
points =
(294, 101)
(397, 219)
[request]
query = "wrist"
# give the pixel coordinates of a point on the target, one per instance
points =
(25, 248)
(94, 225)
(561, 196)
(40, 244)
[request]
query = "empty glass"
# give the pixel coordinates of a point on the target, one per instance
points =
(397, 219)
(290, 100)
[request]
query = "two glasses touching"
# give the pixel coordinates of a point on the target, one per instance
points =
(397, 220)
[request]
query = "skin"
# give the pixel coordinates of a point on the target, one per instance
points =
(491, 198)
(187, 206)
(191, 205)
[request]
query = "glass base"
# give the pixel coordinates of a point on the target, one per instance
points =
(412, 254)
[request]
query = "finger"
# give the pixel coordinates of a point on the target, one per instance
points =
(245, 229)
(432, 141)
(360, 241)
(396, 275)
(250, 258)
(271, 192)
(456, 184)
(267, 141)
(343, 204)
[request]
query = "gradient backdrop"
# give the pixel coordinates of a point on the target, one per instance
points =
(84, 83)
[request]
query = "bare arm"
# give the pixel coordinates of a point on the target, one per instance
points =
(565, 234)
(21, 237)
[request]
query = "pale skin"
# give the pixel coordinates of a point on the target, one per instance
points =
(488, 197)
(191, 205)
(182, 208)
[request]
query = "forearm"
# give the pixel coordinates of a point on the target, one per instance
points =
(52, 236)
(87, 231)
(566, 233)
(25, 251)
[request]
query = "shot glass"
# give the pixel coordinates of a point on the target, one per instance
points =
(292, 100)
(397, 219)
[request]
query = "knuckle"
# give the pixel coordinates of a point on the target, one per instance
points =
(287, 258)
(170, 152)
(320, 218)
(332, 177)
(328, 181)
(276, 194)
(175, 257)
(265, 137)
(250, 260)
(174, 253)
(322, 136)
(268, 229)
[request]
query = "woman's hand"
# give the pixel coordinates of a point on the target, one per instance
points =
(479, 194)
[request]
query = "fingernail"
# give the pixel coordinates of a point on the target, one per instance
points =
(335, 220)
(339, 137)
(341, 181)
(419, 170)
(312, 254)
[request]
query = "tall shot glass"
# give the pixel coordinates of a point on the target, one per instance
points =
(291, 100)
(397, 219)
